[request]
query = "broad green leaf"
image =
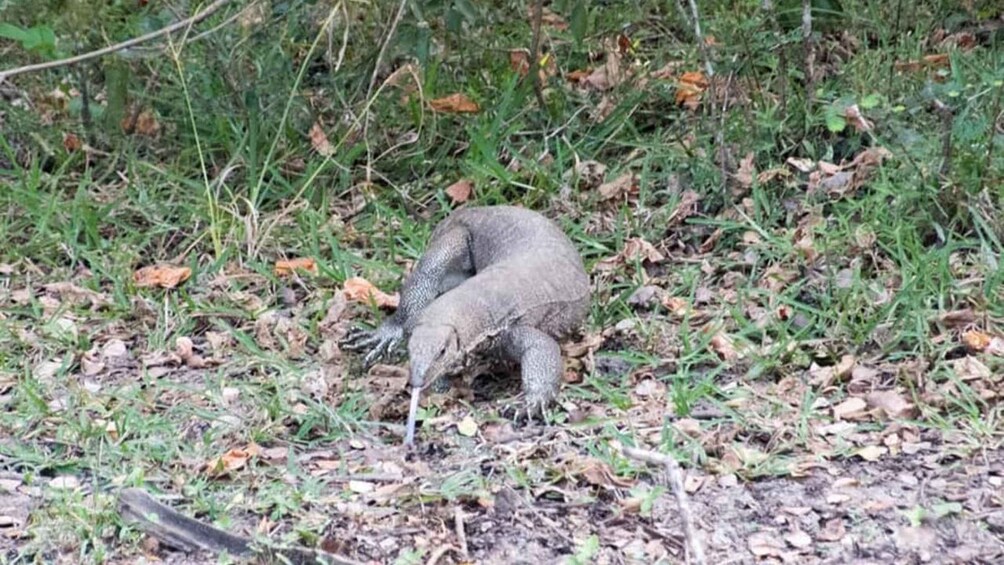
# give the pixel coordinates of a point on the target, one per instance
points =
(870, 101)
(834, 121)
(13, 32)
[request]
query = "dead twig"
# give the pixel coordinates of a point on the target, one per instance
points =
(810, 53)
(538, 88)
(179, 531)
(947, 122)
(118, 46)
(782, 57)
(695, 548)
(439, 553)
(701, 46)
(458, 526)
(373, 80)
(995, 117)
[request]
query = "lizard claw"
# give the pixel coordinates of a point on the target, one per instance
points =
(524, 413)
(379, 342)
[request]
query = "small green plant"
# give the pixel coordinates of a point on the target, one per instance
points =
(38, 39)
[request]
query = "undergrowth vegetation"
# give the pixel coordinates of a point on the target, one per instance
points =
(771, 223)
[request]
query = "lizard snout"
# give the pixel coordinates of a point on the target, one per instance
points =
(416, 376)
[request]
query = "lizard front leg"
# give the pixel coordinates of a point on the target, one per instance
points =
(445, 264)
(539, 358)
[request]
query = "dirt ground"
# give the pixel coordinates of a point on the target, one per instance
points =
(841, 512)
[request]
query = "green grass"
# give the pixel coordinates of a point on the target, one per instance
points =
(232, 184)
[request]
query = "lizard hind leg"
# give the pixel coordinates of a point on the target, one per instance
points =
(539, 358)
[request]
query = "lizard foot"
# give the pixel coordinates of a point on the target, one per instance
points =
(522, 413)
(379, 342)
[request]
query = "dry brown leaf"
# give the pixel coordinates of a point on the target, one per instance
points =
(634, 249)
(146, 124)
(833, 530)
(455, 103)
(798, 539)
(598, 473)
(765, 544)
(589, 174)
(667, 71)
(935, 61)
(358, 289)
(828, 168)
(603, 109)
(624, 185)
(686, 208)
(867, 161)
(890, 405)
(723, 346)
(319, 140)
(802, 165)
(164, 276)
(777, 278)
(970, 368)
(286, 267)
(644, 296)
(688, 426)
(71, 142)
(692, 85)
(589, 343)
(460, 191)
(578, 75)
(746, 172)
(611, 73)
(73, 293)
(958, 319)
(835, 185)
(638, 248)
(550, 19)
(806, 246)
(823, 377)
(676, 306)
(851, 409)
(232, 460)
(976, 341)
(853, 115)
(871, 452)
(771, 174)
(963, 40)
(519, 61)
(185, 349)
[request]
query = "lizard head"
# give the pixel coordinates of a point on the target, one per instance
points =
(432, 351)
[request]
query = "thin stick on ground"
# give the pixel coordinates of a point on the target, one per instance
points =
(143, 512)
(383, 46)
(782, 57)
(458, 526)
(708, 68)
(118, 46)
(695, 548)
(947, 123)
(373, 80)
(538, 88)
(995, 117)
(810, 53)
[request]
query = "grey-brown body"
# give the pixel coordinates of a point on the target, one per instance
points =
(496, 280)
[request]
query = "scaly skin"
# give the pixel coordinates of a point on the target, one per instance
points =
(499, 280)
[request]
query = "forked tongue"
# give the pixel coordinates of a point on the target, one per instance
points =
(409, 432)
